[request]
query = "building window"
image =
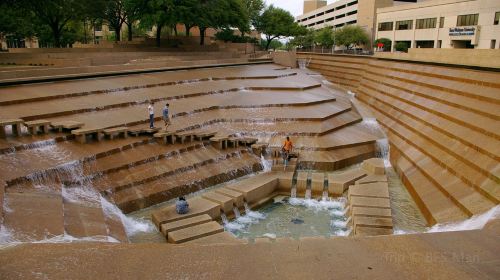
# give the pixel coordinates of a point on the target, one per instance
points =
(467, 20)
(493, 44)
(426, 23)
(497, 18)
(385, 26)
(441, 22)
(404, 25)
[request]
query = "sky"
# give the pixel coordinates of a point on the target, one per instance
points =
(293, 6)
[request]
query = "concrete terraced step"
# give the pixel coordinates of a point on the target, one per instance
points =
(221, 238)
(464, 102)
(194, 232)
(466, 118)
(198, 207)
(338, 183)
(84, 220)
(435, 205)
(477, 140)
(182, 183)
(336, 159)
(184, 223)
(157, 169)
(401, 123)
(466, 197)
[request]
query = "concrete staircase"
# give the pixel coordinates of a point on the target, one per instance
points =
(442, 124)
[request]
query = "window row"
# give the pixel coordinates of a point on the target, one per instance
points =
(426, 23)
(331, 11)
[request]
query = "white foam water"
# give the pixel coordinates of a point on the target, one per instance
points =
(269, 235)
(132, 225)
(318, 205)
(475, 222)
(266, 164)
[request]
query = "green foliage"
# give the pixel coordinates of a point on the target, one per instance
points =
(324, 37)
(350, 36)
(305, 40)
(274, 44)
(276, 23)
(387, 43)
(401, 47)
(227, 35)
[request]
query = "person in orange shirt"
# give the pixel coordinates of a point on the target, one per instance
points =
(286, 149)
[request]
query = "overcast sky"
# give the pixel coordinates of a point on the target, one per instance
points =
(293, 6)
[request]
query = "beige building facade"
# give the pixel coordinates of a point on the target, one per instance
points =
(442, 24)
(345, 12)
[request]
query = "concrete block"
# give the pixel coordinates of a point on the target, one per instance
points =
(338, 183)
(256, 188)
(374, 222)
(236, 196)
(371, 179)
(197, 206)
(370, 212)
(317, 183)
(371, 231)
(374, 166)
(285, 181)
(226, 202)
(369, 190)
(377, 202)
(194, 232)
(184, 223)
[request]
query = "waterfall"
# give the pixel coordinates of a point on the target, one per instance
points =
(236, 212)
(475, 222)
(247, 208)
(308, 194)
(266, 164)
(324, 196)
(382, 151)
(293, 192)
(223, 216)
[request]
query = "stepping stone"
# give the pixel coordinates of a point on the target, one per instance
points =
(194, 232)
(317, 183)
(370, 202)
(218, 238)
(370, 212)
(197, 206)
(219, 143)
(338, 183)
(374, 166)
(285, 181)
(302, 181)
(16, 126)
(82, 133)
(371, 179)
(116, 131)
(374, 222)
(369, 190)
(166, 136)
(35, 126)
(60, 125)
(204, 135)
(184, 223)
(226, 203)
(236, 196)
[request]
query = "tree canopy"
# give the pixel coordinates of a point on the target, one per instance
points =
(276, 23)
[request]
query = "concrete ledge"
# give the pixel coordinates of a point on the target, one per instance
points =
(371, 179)
(370, 202)
(338, 183)
(236, 196)
(317, 183)
(221, 238)
(380, 189)
(194, 232)
(184, 223)
(302, 182)
(374, 166)
(197, 206)
(226, 203)
(256, 188)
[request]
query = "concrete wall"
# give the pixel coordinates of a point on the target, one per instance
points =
(287, 59)
(479, 57)
(442, 123)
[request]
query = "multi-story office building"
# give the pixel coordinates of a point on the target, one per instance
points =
(344, 12)
(442, 24)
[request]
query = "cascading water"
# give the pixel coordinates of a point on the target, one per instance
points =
(307, 194)
(236, 211)
(475, 222)
(266, 164)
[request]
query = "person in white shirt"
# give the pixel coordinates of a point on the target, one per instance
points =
(151, 111)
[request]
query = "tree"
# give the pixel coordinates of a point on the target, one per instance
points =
(386, 42)
(187, 13)
(401, 47)
(133, 10)
(15, 22)
(251, 12)
(55, 14)
(324, 37)
(114, 14)
(350, 36)
(159, 13)
(276, 23)
(304, 40)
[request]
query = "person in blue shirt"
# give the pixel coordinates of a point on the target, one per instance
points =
(181, 206)
(166, 117)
